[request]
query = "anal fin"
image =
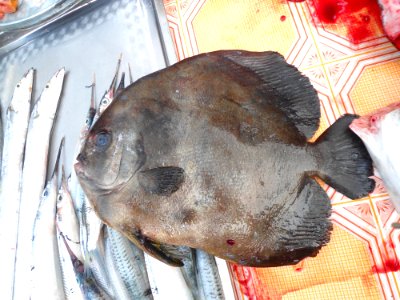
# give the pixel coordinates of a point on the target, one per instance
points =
(304, 227)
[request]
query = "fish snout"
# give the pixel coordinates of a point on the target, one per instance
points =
(79, 165)
(81, 158)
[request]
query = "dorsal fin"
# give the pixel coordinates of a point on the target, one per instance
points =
(283, 86)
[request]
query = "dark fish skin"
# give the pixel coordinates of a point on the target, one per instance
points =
(212, 153)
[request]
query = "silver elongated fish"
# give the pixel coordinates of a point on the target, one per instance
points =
(34, 175)
(166, 282)
(189, 269)
(208, 277)
(90, 224)
(95, 266)
(71, 286)
(119, 289)
(130, 264)
(224, 274)
(74, 184)
(66, 220)
(188, 257)
(88, 286)
(130, 74)
(121, 84)
(15, 129)
(109, 95)
(45, 258)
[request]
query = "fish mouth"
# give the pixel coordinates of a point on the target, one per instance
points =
(114, 185)
(80, 170)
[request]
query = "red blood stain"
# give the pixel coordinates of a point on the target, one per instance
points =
(230, 242)
(355, 15)
(283, 18)
(390, 262)
(298, 269)
(365, 18)
(390, 265)
(396, 42)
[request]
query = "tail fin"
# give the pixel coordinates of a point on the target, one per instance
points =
(345, 162)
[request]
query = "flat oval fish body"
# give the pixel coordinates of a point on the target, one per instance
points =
(212, 153)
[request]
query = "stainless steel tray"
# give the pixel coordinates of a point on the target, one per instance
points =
(86, 42)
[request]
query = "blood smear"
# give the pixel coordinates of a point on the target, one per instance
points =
(355, 15)
(396, 42)
(390, 262)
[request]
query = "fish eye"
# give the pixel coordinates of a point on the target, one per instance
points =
(102, 140)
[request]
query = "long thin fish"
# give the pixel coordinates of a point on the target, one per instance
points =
(188, 256)
(130, 264)
(109, 95)
(45, 257)
(67, 221)
(34, 176)
(95, 266)
(189, 269)
(88, 286)
(16, 126)
(130, 74)
(225, 276)
(208, 276)
(121, 84)
(77, 194)
(118, 286)
(166, 282)
(91, 225)
(71, 286)
(74, 184)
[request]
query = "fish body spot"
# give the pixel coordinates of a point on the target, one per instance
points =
(230, 242)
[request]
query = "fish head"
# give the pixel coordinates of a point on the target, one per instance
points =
(376, 128)
(112, 152)
(366, 127)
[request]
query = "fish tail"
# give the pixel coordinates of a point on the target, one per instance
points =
(345, 163)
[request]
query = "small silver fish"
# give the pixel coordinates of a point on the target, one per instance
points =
(130, 264)
(15, 130)
(70, 282)
(66, 219)
(166, 282)
(45, 257)
(109, 95)
(189, 270)
(34, 175)
(210, 284)
(378, 131)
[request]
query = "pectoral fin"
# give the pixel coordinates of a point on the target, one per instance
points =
(153, 249)
(161, 181)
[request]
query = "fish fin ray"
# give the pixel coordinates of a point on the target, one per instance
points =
(304, 227)
(153, 249)
(161, 181)
(284, 86)
(346, 164)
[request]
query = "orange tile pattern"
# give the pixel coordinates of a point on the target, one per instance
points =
(362, 259)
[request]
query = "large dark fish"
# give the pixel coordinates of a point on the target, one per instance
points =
(212, 153)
